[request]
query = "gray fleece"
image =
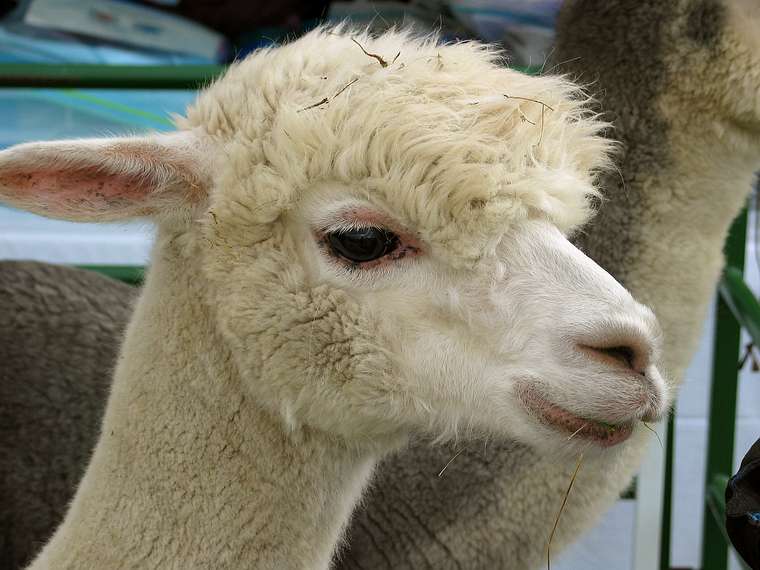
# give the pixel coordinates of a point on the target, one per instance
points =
(59, 333)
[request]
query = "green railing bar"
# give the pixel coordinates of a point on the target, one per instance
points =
(92, 76)
(723, 389)
(108, 76)
(720, 440)
(667, 499)
(742, 302)
(131, 274)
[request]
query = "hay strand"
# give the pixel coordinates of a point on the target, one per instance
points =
(317, 104)
(458, 453)
(576, 432)
(379, 59)
(328, 99)
(654, 431)
(346, 86)
(559, 514)
(544, 107)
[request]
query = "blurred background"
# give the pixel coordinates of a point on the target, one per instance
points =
(206, 31)
(78, 68)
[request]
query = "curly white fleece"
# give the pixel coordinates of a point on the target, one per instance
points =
(459, 145)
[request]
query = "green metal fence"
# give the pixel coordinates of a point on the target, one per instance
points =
(108, 76)
(737, 309)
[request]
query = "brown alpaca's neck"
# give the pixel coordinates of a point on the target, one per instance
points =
(687, 158)
(662, 230)
(189, 471)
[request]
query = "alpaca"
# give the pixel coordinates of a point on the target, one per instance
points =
(359, 240)
(59, 333)
(681, 82)
(408, 483)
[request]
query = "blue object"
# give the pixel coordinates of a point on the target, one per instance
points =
(21, 45)
(43, 114)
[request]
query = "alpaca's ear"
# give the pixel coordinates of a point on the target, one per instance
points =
(105, 179)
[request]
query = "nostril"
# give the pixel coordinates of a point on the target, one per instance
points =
(622, 344)
(619, 356)
(623, 354)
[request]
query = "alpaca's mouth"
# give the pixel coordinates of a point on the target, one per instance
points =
(576, 427)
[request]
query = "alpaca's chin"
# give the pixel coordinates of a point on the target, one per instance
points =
(571, 426)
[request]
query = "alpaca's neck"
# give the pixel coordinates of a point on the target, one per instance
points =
(686, 165)
(662, 231)
(189, 472)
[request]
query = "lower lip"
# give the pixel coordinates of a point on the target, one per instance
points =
(574, 426)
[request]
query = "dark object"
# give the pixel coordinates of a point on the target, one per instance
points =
(233, 17)
(743, 508)
(6, 6)
(251, 25)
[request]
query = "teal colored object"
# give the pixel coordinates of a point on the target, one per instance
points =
(116, 106)
(19, 45)
(37, 114)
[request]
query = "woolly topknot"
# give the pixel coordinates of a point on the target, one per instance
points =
(459, 145)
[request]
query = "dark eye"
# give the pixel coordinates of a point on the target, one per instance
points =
(363, 244)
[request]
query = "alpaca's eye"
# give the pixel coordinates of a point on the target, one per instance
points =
(363, 244)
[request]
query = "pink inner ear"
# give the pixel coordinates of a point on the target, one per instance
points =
(62, 190)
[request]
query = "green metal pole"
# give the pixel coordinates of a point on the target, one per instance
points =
(742, 302)
(722, 418)
(108, 76)
(85, 75)
(667, 500)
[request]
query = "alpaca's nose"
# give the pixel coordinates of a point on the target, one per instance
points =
(630, 352)
(627, 345)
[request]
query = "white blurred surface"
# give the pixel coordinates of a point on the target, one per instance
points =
(26, 236)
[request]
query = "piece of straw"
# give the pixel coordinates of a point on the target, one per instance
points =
(379, 59)
(654, 431)
(458, 453)
(559, 514)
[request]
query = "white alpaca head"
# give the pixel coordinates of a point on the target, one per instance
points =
(380, 240)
